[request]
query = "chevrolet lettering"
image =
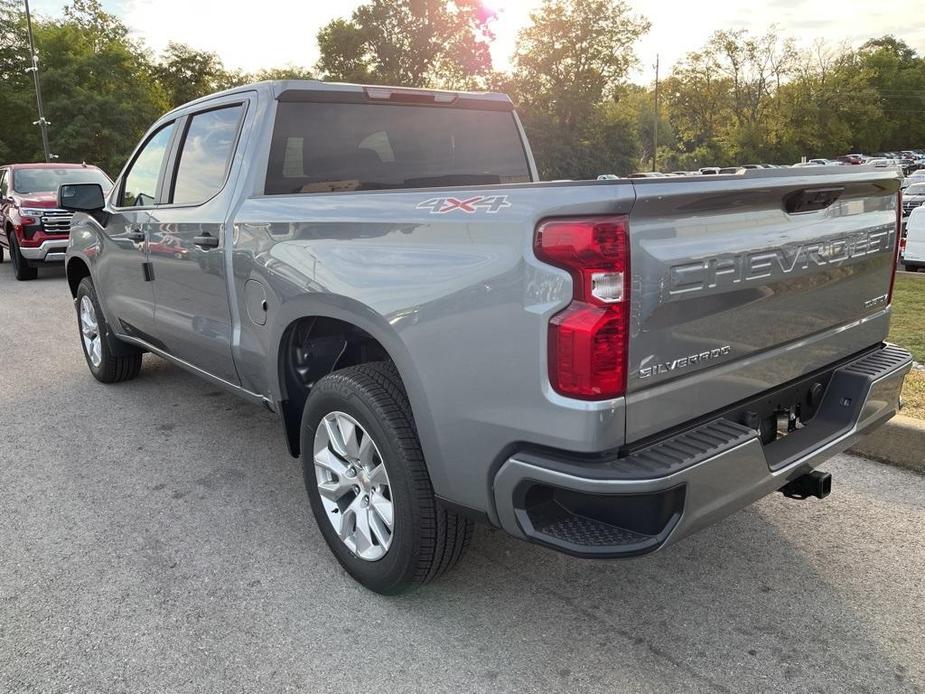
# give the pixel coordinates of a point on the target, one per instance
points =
(775, 263)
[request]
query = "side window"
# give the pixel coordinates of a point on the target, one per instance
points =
(140, 186)
(206, 155)
(3, 183)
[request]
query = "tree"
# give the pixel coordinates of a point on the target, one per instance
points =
(897, 73)
(574, 54)
(413, 43)
(17, 96)
(186, 74)
(570, 68)
(289, 72)
(99, 92)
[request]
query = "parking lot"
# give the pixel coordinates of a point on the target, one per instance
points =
(155, 536)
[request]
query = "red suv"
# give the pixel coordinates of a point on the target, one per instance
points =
(32, 228)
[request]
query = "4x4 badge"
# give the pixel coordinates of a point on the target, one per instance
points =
(478, 203)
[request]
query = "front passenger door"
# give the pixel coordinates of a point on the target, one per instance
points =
(125, 287)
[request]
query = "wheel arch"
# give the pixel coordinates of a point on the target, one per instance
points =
(332, 337)
(75, 270)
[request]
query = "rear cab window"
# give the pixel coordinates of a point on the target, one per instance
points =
(331, 147)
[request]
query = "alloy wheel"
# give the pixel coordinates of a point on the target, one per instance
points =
(354, 486)
(90, 330)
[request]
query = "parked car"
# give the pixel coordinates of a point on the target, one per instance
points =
(906, 165)
(913, 249)
(855, 159)
(708, 170)
(885, 163)
(913, 196)
(33, 230)
(599, 367)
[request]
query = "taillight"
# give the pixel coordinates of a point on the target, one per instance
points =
(899, 235)
(588, 339)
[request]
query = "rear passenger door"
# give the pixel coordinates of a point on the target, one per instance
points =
(186, 247)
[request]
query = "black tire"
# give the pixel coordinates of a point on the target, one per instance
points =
(112, 368)
(427, 538)
(21, 269)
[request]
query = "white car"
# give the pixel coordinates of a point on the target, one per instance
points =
(913, 252)
(883, 163)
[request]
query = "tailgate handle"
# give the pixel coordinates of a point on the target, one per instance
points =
(811, 199)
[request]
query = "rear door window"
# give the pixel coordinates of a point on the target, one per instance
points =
(206, 154)
(330, 147)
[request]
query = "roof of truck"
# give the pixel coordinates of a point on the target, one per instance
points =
(49, 165)
(316, 90)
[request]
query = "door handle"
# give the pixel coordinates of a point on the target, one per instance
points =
(206, 240)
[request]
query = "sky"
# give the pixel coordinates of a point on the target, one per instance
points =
(272, 33)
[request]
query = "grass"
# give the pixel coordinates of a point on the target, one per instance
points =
(907, 329)
(914, 395)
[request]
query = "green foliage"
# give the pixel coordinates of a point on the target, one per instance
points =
(414, 43)
(743, 99)
(569, 75)
(186, 74)
(739, 99)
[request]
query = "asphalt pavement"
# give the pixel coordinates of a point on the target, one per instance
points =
(155, 536)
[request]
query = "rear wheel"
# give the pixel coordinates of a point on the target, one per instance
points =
(368, 485)
(95, 337)
(21, 269)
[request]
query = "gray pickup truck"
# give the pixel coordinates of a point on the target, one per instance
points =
(600, 367)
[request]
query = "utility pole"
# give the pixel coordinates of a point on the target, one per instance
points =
(41, 122)
(655, 125)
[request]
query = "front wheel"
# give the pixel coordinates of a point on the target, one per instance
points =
(368, 485)
(95, 336)
(21, 269)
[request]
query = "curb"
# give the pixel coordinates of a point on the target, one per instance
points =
(899, 442)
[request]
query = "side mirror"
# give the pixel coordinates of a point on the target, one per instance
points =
(81, 197)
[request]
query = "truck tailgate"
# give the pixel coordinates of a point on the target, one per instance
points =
(743, 283)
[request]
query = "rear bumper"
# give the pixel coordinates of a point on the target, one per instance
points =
(49, 251)
(614, 507)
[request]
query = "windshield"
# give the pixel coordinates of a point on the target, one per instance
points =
(917, 189)
(48, 180)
